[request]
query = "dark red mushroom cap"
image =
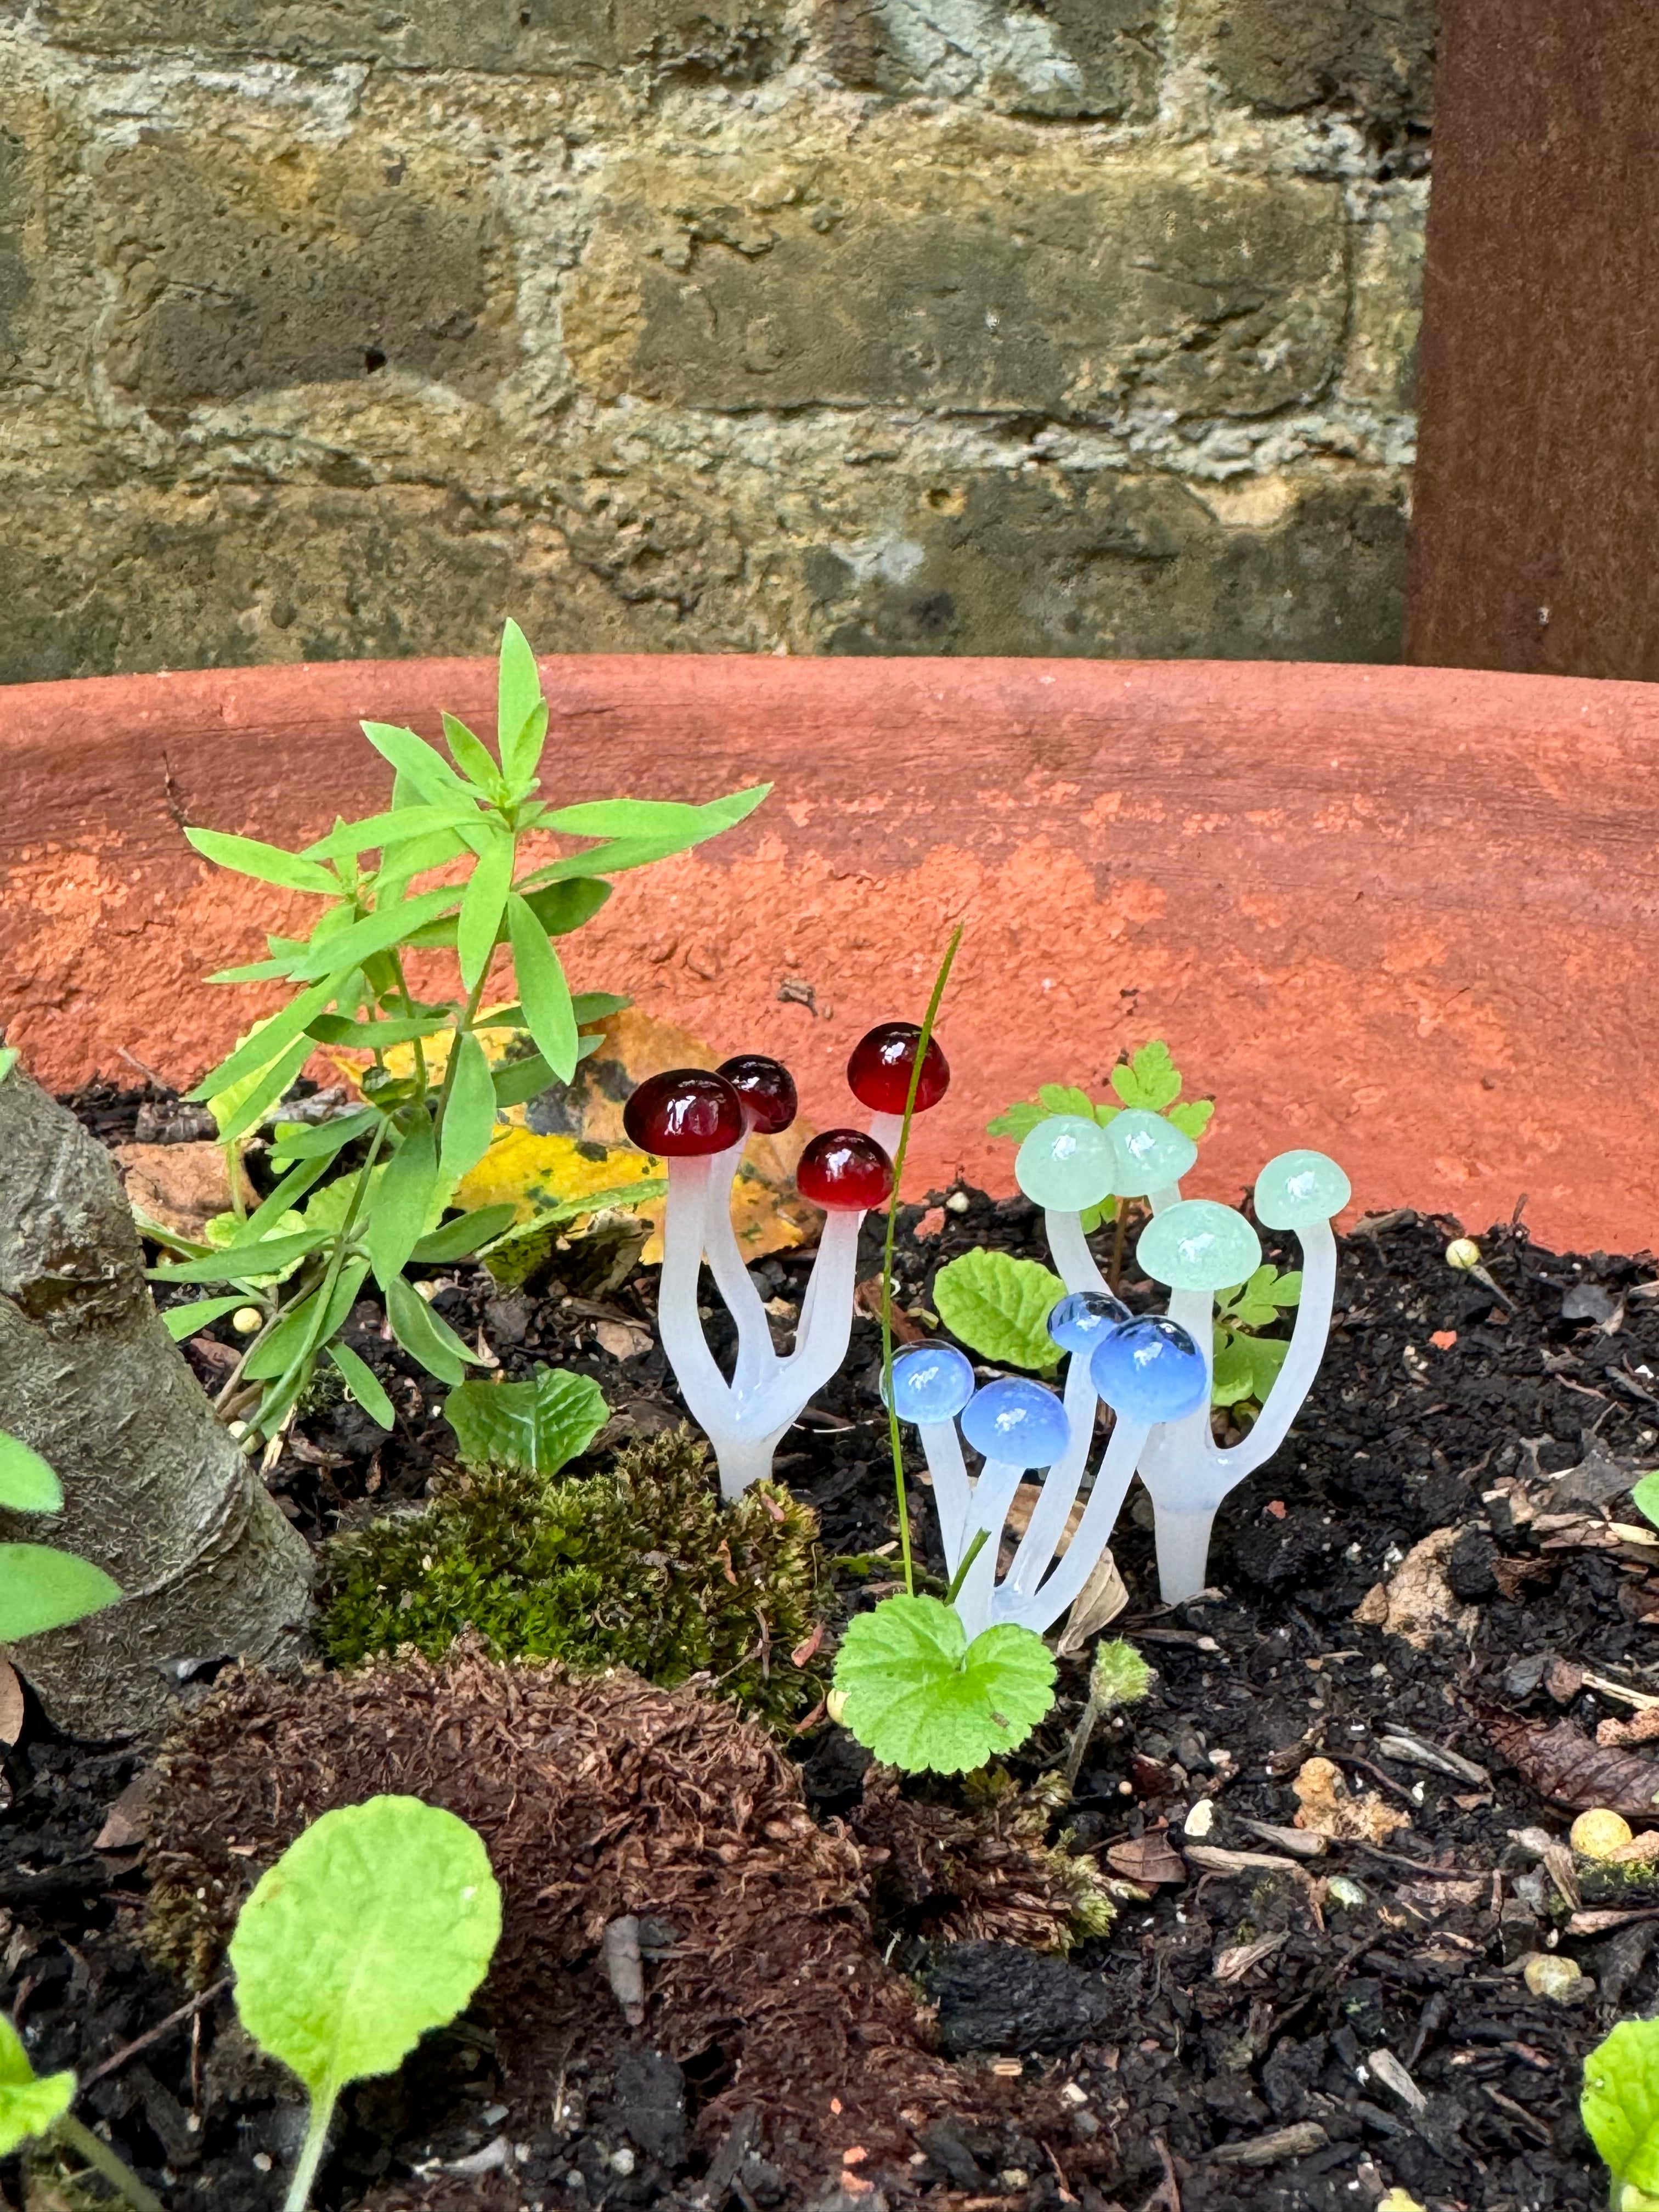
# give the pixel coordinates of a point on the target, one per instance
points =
(844, 1171)
(685, 1113)
(879, 1070)
(766, 1088)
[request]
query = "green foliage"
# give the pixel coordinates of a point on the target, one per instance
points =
(40, 1587)
(376, 1924)
(29, 2103)
(999, 1306)
(1646, 1497)
(8, 1057)
(1619, 2108)
(639, 1567)
(526, 1428)
(1148, 1079)
(1119, 1676)
(1247, 1365)
(923, 1698)
(468, 815)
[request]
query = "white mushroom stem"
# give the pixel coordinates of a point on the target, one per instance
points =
(994, 1493)
(1062, 1483)
(1038, 1605)
(953, 1493)
(756, 1355)
(1069, 1248)
(826, 1313)
(703, 1386)
(1183, 1466)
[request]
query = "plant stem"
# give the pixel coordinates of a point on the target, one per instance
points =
(980, 1541)
(1114, 1272)
(311, 2154)
(464, 1017)
(894, 1438)
(98, 2155)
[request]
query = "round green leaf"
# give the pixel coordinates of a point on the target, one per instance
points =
(999, 1306)
(377, 1923)
(28, 1485)
(42, 1588)
(28, 2104)
(1619, 2107)
(920, 1696)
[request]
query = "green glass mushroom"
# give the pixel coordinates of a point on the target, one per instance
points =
(1066, 1165)
(1299, 1189)
(1148, 1152)
(1196, 1245)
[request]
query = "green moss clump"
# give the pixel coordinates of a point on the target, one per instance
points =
(641, 1567)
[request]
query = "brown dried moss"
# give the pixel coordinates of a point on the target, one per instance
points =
(596, 1798)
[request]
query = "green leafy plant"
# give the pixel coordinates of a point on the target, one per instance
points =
(918, 1695)
(1148, 1079)
(377, 1923)
(638, 1567)
(41, 1587)
(1645, 1497)
(453, 877)
(36, 2107)
(999, 1307)
(1247, 1363)
(1118, 1675)
(1620, 2107)
(526, 1428)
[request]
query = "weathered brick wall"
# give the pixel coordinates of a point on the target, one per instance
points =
(334, 327)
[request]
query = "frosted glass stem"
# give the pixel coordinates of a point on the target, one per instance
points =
(1184, 1552)
(701, 1384)
(1042, 1607)
(757, 1359)
(1062, 1483)
(1296, 1378)
(994, 1493)
(953, 1494)
(1069, 1249)
(826, 1318)
(886, 1129)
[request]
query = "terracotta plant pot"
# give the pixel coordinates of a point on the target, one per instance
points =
(1405, 915)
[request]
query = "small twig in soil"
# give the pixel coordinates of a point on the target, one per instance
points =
(118, 2059)
(1168, 2192)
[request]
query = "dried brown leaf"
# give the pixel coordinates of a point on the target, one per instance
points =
(1568, 1768)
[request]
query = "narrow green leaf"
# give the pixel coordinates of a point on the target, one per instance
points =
(999, 1306)
(29, 2103)
(591, 1007)
(285, 1195)
(482, 904)
(42, 1588)
(520, 731)
(426, 1336)
(256, 971)
(560, 908)
(269, 1257)
(364, 1385)
(324, 1140)
(472, 756)
(660, 820)
(375, 932)
(8, 1057)
(257, 1051)
(398, 826)
(542, 991)
(268, 864)
(377, 1924)
(465, 1235)
(300, 1326)
(470, 1115)
(515, 1080)
(181, 1321)
(531, 1428)
(247, 1105)
(419, 763)
(27, 1484)
(398, 1212)
(377, 1037)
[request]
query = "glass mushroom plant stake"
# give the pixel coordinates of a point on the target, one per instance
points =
(699, 1122)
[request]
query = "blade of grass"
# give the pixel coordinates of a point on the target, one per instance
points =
(894, 1438)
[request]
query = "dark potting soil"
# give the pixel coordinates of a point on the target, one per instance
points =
(1219, 2047)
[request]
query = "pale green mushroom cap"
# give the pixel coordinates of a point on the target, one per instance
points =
(1065, 1166)
(1196, 1245)
(1299, 1189)
(1148, 1152)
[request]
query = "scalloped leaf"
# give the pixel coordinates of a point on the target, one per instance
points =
(999, 1306)
(923, 1698)
(1619, 2107)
